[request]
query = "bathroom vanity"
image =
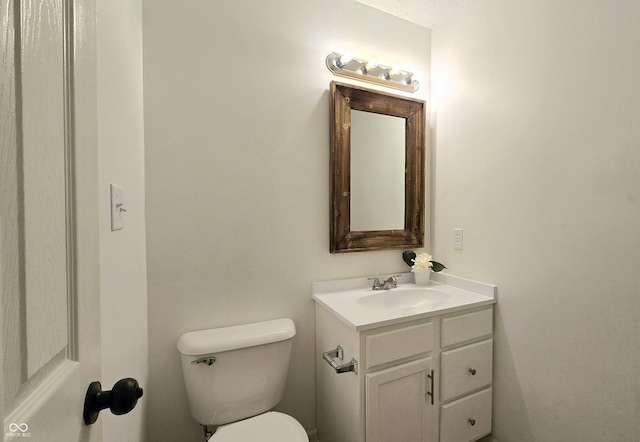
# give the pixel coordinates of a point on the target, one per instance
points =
(406, 364)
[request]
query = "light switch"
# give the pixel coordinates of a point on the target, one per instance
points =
(117, 208)
(457, 239)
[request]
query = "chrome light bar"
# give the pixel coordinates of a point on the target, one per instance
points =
(345, 65)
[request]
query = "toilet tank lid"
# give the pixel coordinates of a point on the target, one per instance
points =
(204, 342)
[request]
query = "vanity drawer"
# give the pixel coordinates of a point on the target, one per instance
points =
(398, 344)
(466, 369)
(463, 328)
(466, 419)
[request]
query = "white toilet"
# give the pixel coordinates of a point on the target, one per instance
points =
(235, 375)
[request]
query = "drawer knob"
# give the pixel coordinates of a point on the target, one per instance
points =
(472, 421)
(472, 371)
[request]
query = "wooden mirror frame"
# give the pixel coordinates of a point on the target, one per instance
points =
(343, 99)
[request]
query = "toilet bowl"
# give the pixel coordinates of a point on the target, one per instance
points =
(235, 375)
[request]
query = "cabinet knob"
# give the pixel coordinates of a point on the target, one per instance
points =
(472, 371)
(471, 421)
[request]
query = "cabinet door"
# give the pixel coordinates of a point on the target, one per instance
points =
(398, 404)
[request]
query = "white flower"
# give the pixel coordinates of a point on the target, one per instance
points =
(421, 262)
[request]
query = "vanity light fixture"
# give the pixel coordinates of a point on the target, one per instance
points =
(345, 65)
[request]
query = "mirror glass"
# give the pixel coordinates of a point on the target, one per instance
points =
(377, 171)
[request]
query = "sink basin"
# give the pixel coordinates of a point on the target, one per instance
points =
(408, 298)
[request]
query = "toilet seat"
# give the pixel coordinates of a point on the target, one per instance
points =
(267, 427)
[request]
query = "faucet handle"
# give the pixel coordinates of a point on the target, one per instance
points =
(376, 283)
(391, 282)
(392, 278)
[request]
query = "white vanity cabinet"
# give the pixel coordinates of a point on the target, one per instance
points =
(419, 380)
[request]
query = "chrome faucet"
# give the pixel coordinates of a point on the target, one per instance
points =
(389, 283)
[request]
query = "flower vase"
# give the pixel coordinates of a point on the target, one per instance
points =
(422, 277)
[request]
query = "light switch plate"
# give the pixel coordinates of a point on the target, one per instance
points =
(458, 243)
(117, 208)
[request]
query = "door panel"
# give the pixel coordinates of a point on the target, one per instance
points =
(42, 155)
(48, 218)
(398, 405)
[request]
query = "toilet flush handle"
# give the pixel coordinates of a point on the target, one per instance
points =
(209, 360)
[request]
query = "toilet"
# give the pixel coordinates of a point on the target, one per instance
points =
(235, 375)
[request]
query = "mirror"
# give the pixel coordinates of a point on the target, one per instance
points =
(377, 170)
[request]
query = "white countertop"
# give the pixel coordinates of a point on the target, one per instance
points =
(340, 297)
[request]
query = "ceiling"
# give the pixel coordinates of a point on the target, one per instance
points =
(422, 12)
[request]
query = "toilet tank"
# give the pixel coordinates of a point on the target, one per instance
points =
(248, 375)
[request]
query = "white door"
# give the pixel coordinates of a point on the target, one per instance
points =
(49, 280)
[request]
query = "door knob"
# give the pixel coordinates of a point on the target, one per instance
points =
(120, 400)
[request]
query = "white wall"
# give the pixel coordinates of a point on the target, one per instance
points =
(237, 145)
(122, 253)
(538, 159)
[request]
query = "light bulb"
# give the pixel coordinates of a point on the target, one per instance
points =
(413, 77)
(392, 72)
(345, 58)
(371, 64)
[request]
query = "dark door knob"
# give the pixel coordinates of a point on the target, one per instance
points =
(120, 400)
